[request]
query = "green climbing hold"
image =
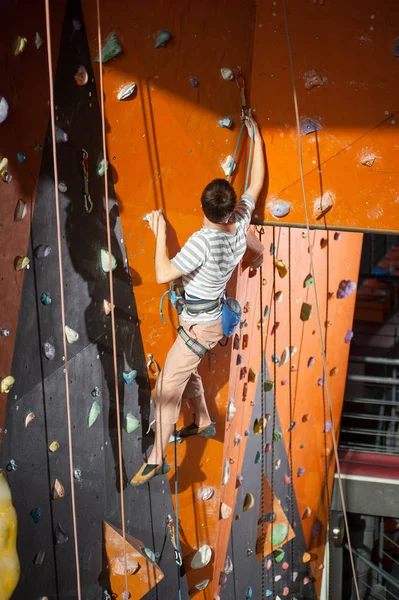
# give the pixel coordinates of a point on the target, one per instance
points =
(306, 311)
(277, 436)
(278, 555)
(38, 148)
(308, 281)
(21, 157)
(105, 261)
(280, 532)
(131, 423)
(101, 168)
(268, 385)
(111, 48)
(150, 554)
(93, 414)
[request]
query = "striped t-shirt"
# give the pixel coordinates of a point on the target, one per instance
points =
(209, 257)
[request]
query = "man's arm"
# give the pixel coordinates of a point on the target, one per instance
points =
(258, 162)
(165, 271)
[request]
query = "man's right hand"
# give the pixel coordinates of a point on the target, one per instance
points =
(157, 223)
(254, 130)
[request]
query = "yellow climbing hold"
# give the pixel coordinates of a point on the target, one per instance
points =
(20, 45)
(281, 267)
(252, 375)
(259, 425)
(249, 502)
(21, 262)
(6, 384)
(9, 563)
(306, 557)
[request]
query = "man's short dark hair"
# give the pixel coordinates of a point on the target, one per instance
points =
(218, 200)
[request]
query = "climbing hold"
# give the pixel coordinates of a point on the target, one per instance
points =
(54, 446)
(29, 418)
(337, 235)
(248, 594)
(111, 48)
(105, 262)
(60, 537)
(249, 502)
(205, 493)
(42, 251)
(95, 392)
(284, 382)
(131, 423)
(333, 371)
(21, 262)
(38, 148)
(39, 558)
(275, 358)
(306, 580)
(288, 353)
(310, 126)
(6, 384)
(278, 296)
(257, 457)
(117, 565)
(202, 557)
(239, 359)
(4, 332)
(323, 204)
(330, 295)
(228, 566)
(279, 555)
(245, 339)
(76, 24)
(227, 74)
(268, 593)
(21, 157)
(129, 377)
(277, 464)
(226, 122)
(228, 165)
(101, 167)
(348, 336)
(306, 557)
(127, 91)
(316, 528)
(261, 324)
(345, 288)
(320, 381)
(266, 312)
(3, 109)
(62, 187)
(308, 280)
(202, 584)
(225, 511)
(275, 328)
(279, 533)
(396, 49)
(162, 39)
(236, 342)
(260, 425)
(313, 79)
(252, 374)
(194, 82)
(45, 299)
(108, 307)
(72, 336)
(231, 409)
(327, 426)
(243, 372)
(20, 210)
(93, 414)
(237, 439)
(285, 566)
(81, 76)
(287, 480)
(300, 472)
(61, 136)
(58, 490)
(306, 513)
(77, 473)
(239, 480)
(4, 173)
(286, 591)
(279, 208)
(305, 417)
(38, 40)
(19, 45)
(36, 514)
(268, 385)
(281, 267)
(306, 311)
(226, 472)
(368, 159)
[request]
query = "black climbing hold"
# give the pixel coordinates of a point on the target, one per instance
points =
(60, 537)
(42, 251)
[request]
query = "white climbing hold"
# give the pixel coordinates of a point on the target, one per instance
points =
(323, 204)
(279, 208)
(226, 472)
(3, 109)
(146, 217)
(105, 261)
(231, 409)
(228, 566)
(72, 336)
(62, 187)
(202, 557)
(205, 493)
(126, 91)
(226, 123)
(225, 511)
(38, 40)
(81, 76)
(20, 210)
(289, 351)
(202, 584)
(228, 165)
(227, 74)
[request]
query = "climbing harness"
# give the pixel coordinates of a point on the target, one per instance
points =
(318, 312)
(85, 168)
(192, 343)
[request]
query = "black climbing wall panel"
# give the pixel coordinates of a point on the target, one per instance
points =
(40, 384)
(242, 545)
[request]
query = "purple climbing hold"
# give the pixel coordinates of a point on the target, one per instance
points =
(327, 426)
(76, 24)
(300, 472)
(194, 81)
(292, 426)
(310, 126)
(345, 288)
(396, 49)
(316, 528)
(320, 381)
(239, 359)
(348, 336)
(311, 361)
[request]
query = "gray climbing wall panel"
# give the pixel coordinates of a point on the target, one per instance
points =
(40, 383)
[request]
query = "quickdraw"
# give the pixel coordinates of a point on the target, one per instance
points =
(176, 297)
(171, 527)
(85, 168)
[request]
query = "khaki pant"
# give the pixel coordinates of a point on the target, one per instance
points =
(179, 377)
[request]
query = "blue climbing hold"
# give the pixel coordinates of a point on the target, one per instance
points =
(248, 595)
(21, 157)
(45, 299)
(162, 39)
(36, 514)
(257, 457)
(130, 376)
(268, 593)
(269, 517)
(266, 311)
(246, 432)
(275, 358)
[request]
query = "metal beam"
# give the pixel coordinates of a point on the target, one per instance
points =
(375, 360)
(374, 380)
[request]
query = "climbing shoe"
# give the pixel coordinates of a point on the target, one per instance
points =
(147, 472)
(208, 432)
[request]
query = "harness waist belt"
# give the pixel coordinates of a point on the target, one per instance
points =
(191, 343)
(198, 306)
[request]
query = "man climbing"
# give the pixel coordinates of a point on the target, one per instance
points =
(205, 263)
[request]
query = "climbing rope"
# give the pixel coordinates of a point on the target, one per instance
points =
(60, 268)
(318, 312)
(176, 532)
(290, 466)
(111, 291)
(274, 404)
(263, 416)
